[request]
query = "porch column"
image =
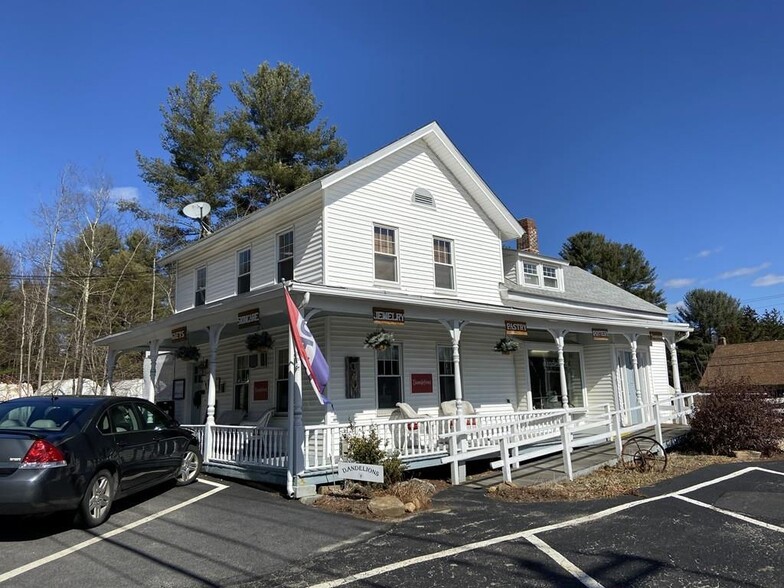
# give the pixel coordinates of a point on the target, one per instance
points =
(153, 371)
(632, 339)
(676, 375)
(455, 329)
(559, 335)
(111, 360)
(213, 331)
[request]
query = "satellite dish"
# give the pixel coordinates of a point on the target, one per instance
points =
(198, 211)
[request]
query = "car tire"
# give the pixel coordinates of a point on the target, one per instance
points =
(97, 501)
(190, 467)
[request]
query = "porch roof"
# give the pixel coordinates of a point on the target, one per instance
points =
(359, 303)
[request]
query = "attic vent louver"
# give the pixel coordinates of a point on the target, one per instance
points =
(423, 197)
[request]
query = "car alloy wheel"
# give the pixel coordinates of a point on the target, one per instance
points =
(190, 468)
(97, 501)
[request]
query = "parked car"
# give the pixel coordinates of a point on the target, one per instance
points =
(81, 453)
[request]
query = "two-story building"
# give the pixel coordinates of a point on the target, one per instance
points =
(409, 238)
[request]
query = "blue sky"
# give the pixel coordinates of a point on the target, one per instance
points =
(659, 124)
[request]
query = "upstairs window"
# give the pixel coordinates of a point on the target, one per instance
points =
(550, 275)
(286, 256)
(201, 287)
(443, 264)
(385, 250)
(243, 271)
(531, 274)
(541, 275)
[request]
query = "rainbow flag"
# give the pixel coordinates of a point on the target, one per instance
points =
(309, 353)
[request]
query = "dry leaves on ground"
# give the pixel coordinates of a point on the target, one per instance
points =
(606, 482)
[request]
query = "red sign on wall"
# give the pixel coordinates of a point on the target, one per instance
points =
(261, 390)
(421, 383)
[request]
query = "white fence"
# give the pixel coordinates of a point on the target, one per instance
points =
(243, 446)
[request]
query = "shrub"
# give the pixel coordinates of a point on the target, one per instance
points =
(366, 448)
(736, 416)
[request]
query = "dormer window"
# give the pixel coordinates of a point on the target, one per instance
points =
(541, 275)
(243, 271)
(550, 276)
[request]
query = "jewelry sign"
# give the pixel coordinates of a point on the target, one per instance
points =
(389, 316)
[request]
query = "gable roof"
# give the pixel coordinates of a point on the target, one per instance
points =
(760, 364)
(436, 140)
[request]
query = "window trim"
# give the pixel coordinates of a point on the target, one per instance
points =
(237, 270)
(278, 260)
(401, 376)
(540, 275)
(196, 286)
(451, 265)
(396, 255)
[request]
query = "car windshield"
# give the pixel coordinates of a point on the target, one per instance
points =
(39, 414)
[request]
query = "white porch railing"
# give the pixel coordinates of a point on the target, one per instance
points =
(516, 448)
(244, 446)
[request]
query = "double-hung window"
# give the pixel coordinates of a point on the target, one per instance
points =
(241, 380)
(550, 275)
(385, 250)
(201, 287)
(443, 264)
(286, 256)
(282, 381)
(531, 274)
(243, 271)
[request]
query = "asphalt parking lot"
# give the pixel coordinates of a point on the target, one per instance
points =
(212, 533)
(720, 526)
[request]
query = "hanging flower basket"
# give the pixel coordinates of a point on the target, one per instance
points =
(506, 345)
(380, 340)
(259, 341)
(187, 353)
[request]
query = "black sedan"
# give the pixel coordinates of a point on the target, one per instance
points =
(81, 453)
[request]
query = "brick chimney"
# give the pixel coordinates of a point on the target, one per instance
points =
(530, 240)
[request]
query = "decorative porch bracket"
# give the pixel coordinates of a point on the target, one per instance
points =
(213, 331)
(152, 374)
(559, 335)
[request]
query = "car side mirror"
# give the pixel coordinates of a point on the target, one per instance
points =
(174, 423)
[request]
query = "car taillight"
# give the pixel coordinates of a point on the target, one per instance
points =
(43, 454)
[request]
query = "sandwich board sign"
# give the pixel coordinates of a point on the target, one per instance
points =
(364, 472)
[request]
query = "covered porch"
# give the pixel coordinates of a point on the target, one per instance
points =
(510, 440)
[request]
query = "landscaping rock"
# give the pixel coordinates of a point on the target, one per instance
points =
(387, 506)
(748, 455)
(332, 489)
(410, 507)
(417, 487)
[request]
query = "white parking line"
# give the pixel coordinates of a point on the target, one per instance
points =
(730, 513)
(530, 536)
(78, 547)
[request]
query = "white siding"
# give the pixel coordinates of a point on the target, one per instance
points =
(599, 363)
(261, 237)
(488, 376)
(381, 194)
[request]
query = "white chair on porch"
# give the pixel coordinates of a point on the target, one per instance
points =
(416, 437)
(230, 417)
(261, 422)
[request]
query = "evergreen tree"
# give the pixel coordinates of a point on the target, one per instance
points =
(621, 264)
(276, 135)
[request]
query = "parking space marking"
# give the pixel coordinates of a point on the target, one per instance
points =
(78, 547)
(730, 513)
(531, 536)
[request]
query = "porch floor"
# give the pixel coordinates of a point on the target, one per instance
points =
(550, 468)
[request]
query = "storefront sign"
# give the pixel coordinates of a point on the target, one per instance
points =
(600, 335)
(421, 383)
(656, 335)
(364, 472)
(179, 334)
(248, 318)
(513, 327)
(389, 316)
(261, 390)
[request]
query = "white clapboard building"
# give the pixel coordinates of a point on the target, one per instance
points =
(409, 239)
